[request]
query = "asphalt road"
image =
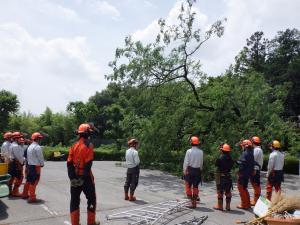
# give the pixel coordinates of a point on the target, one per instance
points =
(154, 187)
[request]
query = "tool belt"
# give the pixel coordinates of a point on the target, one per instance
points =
(223, 181)
(276, 177)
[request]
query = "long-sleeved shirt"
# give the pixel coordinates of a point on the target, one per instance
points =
(246, 162)
(193, 158)
(35, 155)
(258, 157)
(224, 163)
(17, 152)
(5, 150)
(132, 158)
(276, 161)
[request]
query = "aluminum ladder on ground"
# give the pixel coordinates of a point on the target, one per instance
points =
(152, 214)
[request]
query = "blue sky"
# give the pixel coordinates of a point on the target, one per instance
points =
(53, 52)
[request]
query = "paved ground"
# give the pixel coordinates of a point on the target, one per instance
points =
(154, 187)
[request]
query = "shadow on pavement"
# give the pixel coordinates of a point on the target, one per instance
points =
(203, 209)
(3, 211)
(235, 212)
(140, 202)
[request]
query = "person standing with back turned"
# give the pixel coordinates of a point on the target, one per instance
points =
(35, 159)
(133, 169)
(192, 168)
(79, 164)
(259, 160)
(275, 169)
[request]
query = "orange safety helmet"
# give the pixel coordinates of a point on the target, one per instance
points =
(7, 135)
(246, 143)
(132, 142)
(255, 140)
(194, 140)
(16, 135)
(225, 147)
(84, 128)
(36, 135)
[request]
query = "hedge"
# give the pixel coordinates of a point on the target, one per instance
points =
(291, 164)
(100, 154)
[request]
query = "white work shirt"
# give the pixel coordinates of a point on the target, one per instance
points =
(17, 152)
(258, 157)
(5, 150)
(132, 158)
(193, 158)
(35, 155)
(276, 161)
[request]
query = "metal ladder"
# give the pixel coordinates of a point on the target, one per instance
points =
(152, 214)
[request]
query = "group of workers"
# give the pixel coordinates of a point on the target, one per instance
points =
(24, 158)
(249, 165)
(81, 156)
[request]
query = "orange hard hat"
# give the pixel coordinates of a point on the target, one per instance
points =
(84, 128)
(7, 135)
(36, 135)
(225, 147)
(194, 140)
(255, 140)
(246, 143)
(16, 135)
(132, 142)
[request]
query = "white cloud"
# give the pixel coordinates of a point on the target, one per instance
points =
(149, 33)
(46, 72)
(107, 9)
(56, 10)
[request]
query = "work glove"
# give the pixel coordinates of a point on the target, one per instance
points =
(76, 182)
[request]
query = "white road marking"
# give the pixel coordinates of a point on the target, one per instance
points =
(48, 210)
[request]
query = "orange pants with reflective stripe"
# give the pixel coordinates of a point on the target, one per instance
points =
(269, 188)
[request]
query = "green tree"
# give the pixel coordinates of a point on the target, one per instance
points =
(8, 104)
(170, 58)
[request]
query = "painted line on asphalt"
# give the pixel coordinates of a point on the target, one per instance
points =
(52, 213)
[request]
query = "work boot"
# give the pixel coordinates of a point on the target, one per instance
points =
(91, 218)
(194, 201)
(15, 192)
(75, 217)
(219, 206)
(132, 198)
(243, 207)
(228, 200)
(126, 196)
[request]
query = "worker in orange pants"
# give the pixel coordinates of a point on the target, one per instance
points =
(246, 167)
(35, 160)
(16, 165)
(192, 168)
(275, 169)
(255, 177)
(79, 164)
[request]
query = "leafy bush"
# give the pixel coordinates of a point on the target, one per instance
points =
(291, 164)
(103, 153)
